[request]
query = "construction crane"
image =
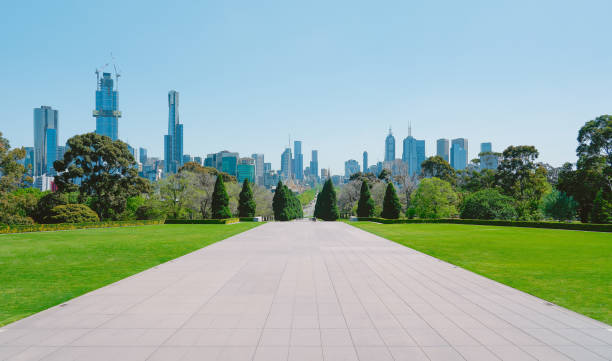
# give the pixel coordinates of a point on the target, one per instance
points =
(101, 70)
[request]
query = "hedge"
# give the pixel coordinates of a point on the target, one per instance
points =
(485, 222)
(68, 226)
(203, 221)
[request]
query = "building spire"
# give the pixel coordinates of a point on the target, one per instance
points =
(409, 129)
(390, 133)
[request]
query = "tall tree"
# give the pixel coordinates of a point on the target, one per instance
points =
(220, 201)
(391, 205)
(434, 198)
(559, 206)
(278, 200)
(246, 203)
(327, 207)
(106, 170)
(366, 206)
(521, 178)
(436, 166)
(12, 173)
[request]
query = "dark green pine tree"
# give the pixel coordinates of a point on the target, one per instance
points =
(278, 200)
(391, 204)
(220, 201)
(365, 207)
(328, 206)
(317, 208)
(246, 203)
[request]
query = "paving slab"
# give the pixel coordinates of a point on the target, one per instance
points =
(306, 291)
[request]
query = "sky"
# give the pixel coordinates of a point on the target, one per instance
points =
(333, 74)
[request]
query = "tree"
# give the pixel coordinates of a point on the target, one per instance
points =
(73, 213)
(246, 204)
(348, 195)
(366, 206)
(391, 205)
(487, 204)
(437, 167)
(196, 168)
(559, 206)
(326, 207)
(521, 178)
(107, 172)
(220, 201)
(472, 180)
(434, 198)
(602, 209)
(12, 173)
(46, 203)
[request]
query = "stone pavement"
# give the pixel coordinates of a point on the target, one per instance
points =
(306, 291)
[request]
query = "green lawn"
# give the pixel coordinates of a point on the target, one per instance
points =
(570, 268)
(40, 270)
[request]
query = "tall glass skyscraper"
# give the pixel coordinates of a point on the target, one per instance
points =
(259, 167)
(298, 161)
(442, 146)
(390, 147)
(45, 140)
(314, 164)
(173, 142)
(286, 163)
(459, 153)
(413, 153)
(365, 162)
(107, 112)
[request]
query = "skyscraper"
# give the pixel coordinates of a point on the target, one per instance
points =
(286, 163)
(45, 139)
(413, 153)
(365, 162)
(259, 167)
(351, 167)
(107, 112)
(142, 152)
(459, 153)
(488, 160)
(298, 161)
(229, 163)
(314, 164)
(173, 142)
(442, 149)
(420, 152)
(246, 170)
(390, 147)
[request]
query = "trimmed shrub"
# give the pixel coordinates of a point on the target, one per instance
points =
(202, 221)
(365, 206)
(73, 213)
(488, 204)
(391, 204)
(70, 226)
(220, 201)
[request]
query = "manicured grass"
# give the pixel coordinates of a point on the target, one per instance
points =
(43, 269)
(570, 268)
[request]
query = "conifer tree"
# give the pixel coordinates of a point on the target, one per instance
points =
(327, 204)
(220, 201)
(246, 203)
(602, 209)
(277, 200)
(391, 204)
(365, 207)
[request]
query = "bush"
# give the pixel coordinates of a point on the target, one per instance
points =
(70, 226)
(434, 198)
(149, 212)
(559, 206)
(46, 204)
(202, 221)
(488, 204)
(73, 213)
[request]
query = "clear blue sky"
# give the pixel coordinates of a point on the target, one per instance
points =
(334, 74)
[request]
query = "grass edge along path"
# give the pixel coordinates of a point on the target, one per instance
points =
(43, 269)
(572, 269)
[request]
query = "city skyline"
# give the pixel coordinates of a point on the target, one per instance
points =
(246, 83)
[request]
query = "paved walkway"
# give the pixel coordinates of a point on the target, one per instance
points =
(306, 291)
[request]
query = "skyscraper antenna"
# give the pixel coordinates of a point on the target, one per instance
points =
(409, 129)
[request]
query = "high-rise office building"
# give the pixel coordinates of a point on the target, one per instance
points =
(459, 153)
(246, 170)
(45, 140)
(286, 163)
(229, 163)
(351, 167)
(298, 161)
(198, 160)
(142, 152)
(413, 153)
(365, 162)
(187, 158)
(28, 162)
(173, 142)
(267, 167)
(107, 112)
(390, 147)
(488, 160)
(442, 150)
(314, 164)
(259, 167)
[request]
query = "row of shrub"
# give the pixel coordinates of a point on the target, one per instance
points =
(551, 225)
(4, 228)
(204, 221)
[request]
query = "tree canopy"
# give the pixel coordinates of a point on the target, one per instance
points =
(434, 198)
(437, 167)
